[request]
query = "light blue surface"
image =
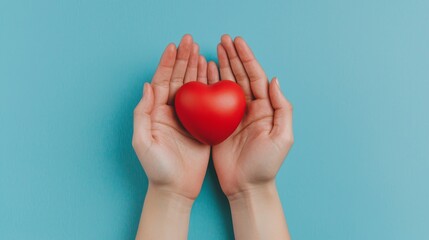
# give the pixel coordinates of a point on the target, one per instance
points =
(357, 73)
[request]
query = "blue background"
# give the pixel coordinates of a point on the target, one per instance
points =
(357, 72)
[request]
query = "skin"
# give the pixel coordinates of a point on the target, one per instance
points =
(174, 162)
(246, 163)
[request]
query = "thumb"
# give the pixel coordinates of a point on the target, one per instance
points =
(142, 136)
(282, 124)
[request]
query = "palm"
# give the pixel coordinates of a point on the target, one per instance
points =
(173, 138)
(241, 154)
(171, 158)
(177, 154)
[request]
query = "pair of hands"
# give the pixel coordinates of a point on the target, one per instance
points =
(249, 159)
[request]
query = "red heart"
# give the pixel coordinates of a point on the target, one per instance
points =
(210, 113)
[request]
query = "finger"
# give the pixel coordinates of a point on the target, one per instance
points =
(202, 70)
(212, 73)
(191, 71)
(162, 76)
(224, 67)
(142, 136)
(179, 70)
(236, 66)
(258, 78)
(282, 123)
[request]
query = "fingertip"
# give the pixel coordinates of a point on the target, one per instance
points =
(202, 66)
(187, 37)
(238, 39)
(149, 87)
(221, 49)
(276, 81)
(278, 99)
(239, 42)
(193, 58)
(171, 45)
(225, 36)
(147, 90)
(146, 102)
(212, 72)
(169, 55)
(144, 90)
(202, 60)
(228, 45)
(225, 39)
(222, 55)
(202, 70)
(243, 49)
(171, 48)
(186, 44)
(274, 93)
(275, 84)
(212, 65)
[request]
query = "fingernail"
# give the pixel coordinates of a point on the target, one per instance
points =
(277, 82)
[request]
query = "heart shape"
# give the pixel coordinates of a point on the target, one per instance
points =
(210, 113)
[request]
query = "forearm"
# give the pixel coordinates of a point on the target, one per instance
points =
(165, 215)
(258, 214)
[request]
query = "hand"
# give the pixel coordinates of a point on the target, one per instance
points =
(247, 162)
(172, 159)
(253, 154)
(174, 162)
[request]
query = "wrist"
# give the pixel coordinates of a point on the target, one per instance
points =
(257, 213)
(165, 215)
(265, 190)
(169, 199)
